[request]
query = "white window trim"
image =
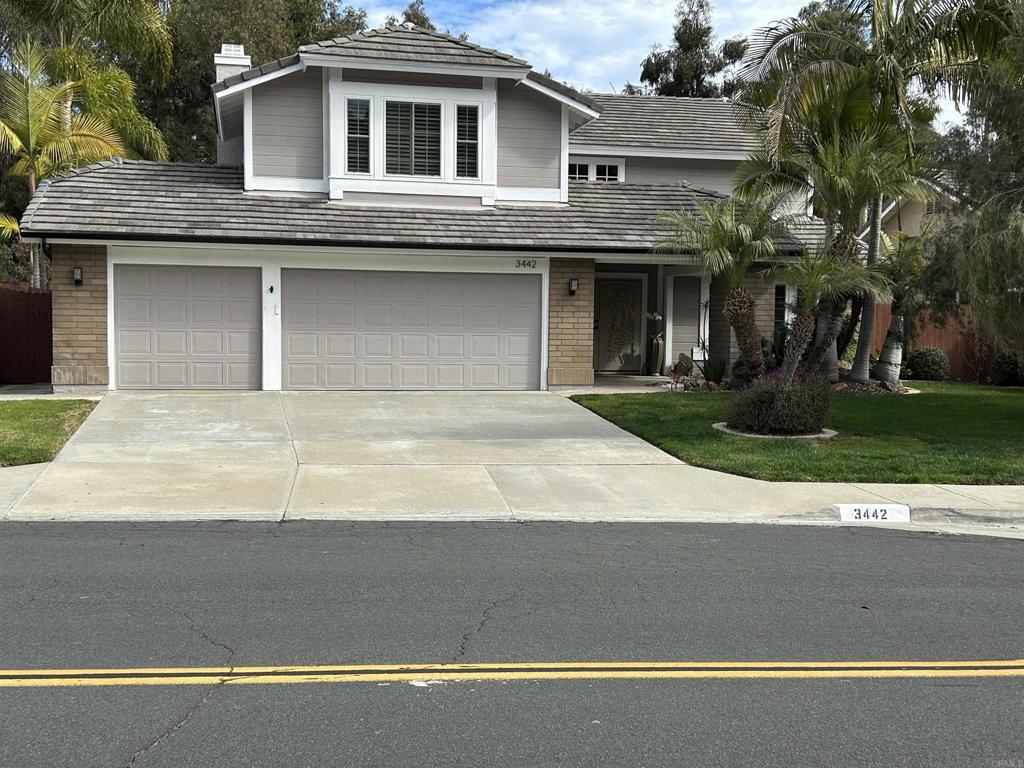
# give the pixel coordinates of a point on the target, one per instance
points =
(592, 162)
(271, 260)
(344, 138)
(455, 138)
(378, 181)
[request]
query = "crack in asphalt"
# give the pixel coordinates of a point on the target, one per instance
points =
(196, 705)
(485, 617)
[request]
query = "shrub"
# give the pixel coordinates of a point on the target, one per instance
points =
(768, 408)
(928, 364)
(714, 369)
(1007, 370)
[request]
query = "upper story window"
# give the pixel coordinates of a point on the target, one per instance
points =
(597, 169)
(579, 171)
(412, 138)
(467, 141)
(358, 138)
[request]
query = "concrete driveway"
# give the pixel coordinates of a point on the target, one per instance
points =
(266, 455)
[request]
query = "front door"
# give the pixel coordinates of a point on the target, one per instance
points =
(618, 322)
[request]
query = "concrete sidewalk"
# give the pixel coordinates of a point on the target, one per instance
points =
(423, 456)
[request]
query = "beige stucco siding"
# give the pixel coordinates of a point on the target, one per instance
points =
(529, 138)
(288, 126)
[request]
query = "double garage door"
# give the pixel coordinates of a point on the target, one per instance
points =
(199, 327)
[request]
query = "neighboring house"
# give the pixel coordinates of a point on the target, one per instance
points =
(397, 209)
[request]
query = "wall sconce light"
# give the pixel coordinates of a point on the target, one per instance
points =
(574, 285)
(78, 275)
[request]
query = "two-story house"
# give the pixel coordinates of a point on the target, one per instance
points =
(394, 209)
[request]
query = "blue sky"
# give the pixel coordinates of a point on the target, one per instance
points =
(595, 44)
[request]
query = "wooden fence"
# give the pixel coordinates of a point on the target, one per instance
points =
(958, 343)
(26, 344)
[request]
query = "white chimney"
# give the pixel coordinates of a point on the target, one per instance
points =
(231, 60)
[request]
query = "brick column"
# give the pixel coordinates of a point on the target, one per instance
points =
(571, 323)
(79, 318)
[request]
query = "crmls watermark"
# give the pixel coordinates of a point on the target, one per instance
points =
(1009, 762)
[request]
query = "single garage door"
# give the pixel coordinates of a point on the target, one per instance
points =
(346, 329)
(187, 327)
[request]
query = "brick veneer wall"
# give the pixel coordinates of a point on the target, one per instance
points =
(571, 323)
(721, 339)
(79, 317)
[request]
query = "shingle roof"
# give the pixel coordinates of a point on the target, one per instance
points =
(251, 74)
(140, 200)
(666, 122)
(410, 43)
(563, 89)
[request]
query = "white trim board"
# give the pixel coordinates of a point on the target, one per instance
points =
(625, 150)
(565, 100)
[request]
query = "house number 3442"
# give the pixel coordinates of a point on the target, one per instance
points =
(526, 263)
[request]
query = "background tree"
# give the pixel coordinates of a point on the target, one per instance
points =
(694, 65)
(730, 237)
(414, 13)
(182, 107)
(975, 257)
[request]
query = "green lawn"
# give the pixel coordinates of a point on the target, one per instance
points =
(32, 431)
(950, 433)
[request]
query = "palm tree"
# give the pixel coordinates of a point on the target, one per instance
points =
(935, 46)
(903, 263)
(8, 226)
(37, 132)
(820, 276)
(839, 174)
(88, 39)
(35, 129)
(730, 237)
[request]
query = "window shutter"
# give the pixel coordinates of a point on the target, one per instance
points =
(358, 139)
(398, 137)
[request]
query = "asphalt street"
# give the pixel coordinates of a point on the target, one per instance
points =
(217, 596)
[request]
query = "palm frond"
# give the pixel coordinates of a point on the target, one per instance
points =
(8, 227)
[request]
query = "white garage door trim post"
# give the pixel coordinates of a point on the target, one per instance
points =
(271, 326)
(271, 260)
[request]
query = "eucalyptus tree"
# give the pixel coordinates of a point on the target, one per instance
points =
(730, 237)
(908, 46)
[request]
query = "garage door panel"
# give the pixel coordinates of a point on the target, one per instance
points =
(409, 330)
(168, 311)
(173, 343)
(183, 327)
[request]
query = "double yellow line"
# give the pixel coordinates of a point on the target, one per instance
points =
(386, 673)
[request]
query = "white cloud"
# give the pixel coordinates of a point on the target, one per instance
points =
(596, 44)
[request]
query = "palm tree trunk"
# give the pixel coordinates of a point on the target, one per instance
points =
(891, 357)
(800, 332)
(860, 372)
(740, 309)
(830, 322)
(850, 329)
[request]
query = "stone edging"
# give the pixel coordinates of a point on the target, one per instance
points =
(825, 434)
